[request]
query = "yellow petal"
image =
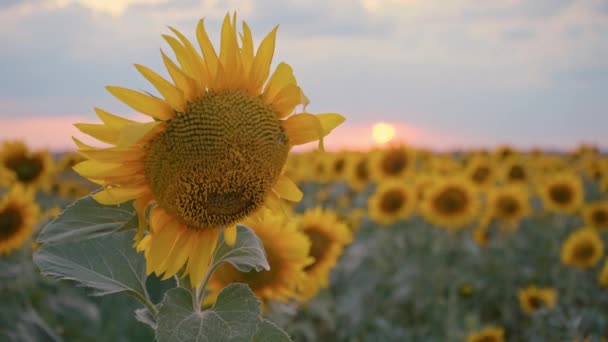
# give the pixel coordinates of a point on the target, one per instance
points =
(112, 120)
(161, 246)
(186, 62)
(287, 189)
(281, 77)
(230, 235)
(179, 256)
(143, 103)
(229, 56)
(247, 49)
(262, 61)
(329, 121)
(302, 128)
(133, 133)
(100, 132)
(112, 196)
(144, 244)
(181, 80)
(173, 96)
(159, 219)
(199, 70)
(95, 169)
(200, 257)
(141, 206)
(286, 100)
(209, 53)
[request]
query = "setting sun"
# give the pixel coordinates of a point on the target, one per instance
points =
(383, 133)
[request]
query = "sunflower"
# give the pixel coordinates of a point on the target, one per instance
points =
(20, 165)
(396, 162)
(391, 202)
(504, 152)
(533, 298)
(214, 152)
(338, 165)
(595, 215)
(287, 250)
(18, 215)
(358, 171)
(602, 278)
(328, 236)
(451, 202)
(562, 193)
(582, 249)
(481, 172)
(487, 334)
(514, 170)
(509, 203)
(321, 168)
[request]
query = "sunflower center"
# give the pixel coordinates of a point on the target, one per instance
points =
(215, 163)
(339, 166)
(451, 201)
(392, 201)
(319, 244)
(600, 217)
(561, 193)
(10, 221)
(508, 206)
(517, 173)
(362, 171)
(394, 162)
(486, 338)
(26, 168)
(535, 302)
(481, 174)
(584, 251)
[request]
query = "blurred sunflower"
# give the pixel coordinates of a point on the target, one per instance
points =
(504, 152)
(488, 334)
(20, 165)
(358, 172)
(582, 249)
(533, 298)
(338, 165)
(451, 202)
(595, 215)
(328, 236)
(514, 170)
(68, 160)
(287, 250)
(602, 277)
(509, 203)
(321, 168)
(18, 215)
(562, 193)
(214, 152)
(392, 201)
(481, 172)
(395, 162)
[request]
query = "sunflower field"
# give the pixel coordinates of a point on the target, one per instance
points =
(203, 224)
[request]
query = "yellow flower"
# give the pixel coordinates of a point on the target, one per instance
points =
(533, 298)
(582, 249)
(358, 171)
(328, 236)
(509, 203)
(487, 334)
(514, 170)
(562, 193)
(287, 251)
(214, 152)
(396, 162)
(18, 215)
(595, 215)
(338, 165)
(391, 202)
(602, 278)
(481, 172)
(451, 202)
(20, 165)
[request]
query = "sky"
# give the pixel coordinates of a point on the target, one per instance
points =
(446, 74)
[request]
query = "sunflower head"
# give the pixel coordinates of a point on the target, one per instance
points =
(532, 299)
(515, 171)
(487, 334)
(215, 152)
(596, 215)
(18, 215)
(562, 193)
(358, 171)
(20, 165)
(392, 201)
(481, 172)
(451, 203)
(582, 249)
(509, 203)
(396, 162)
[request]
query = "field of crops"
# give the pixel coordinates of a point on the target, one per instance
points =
(391, 244)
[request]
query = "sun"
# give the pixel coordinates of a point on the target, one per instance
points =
(382, 132)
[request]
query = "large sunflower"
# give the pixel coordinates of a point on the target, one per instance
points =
(392, 201)
(328, 236)
(18, 215)
(451, 202)
(534, 298)
(20, 165)
(582, 249)
(596, 215)
(214, 152)
(487, 334)
(287, 250)
(562, 193)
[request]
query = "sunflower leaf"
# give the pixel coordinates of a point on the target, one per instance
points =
(107, 265)
(268, 331)
(236, 316)
(87, 219)
(246, 254)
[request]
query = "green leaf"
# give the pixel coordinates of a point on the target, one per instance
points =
(87, 219)
(268, 331)
(246, 254)
(108, 264)
(143, 315)
(234, 317)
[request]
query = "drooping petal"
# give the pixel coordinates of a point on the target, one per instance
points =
(200, 256)
(179, 257)
(143, 103)
(287, 189)
(302, 128)
(141, 205)
(172, 95)
(286, 100)
(281, 77)
(230, 235)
